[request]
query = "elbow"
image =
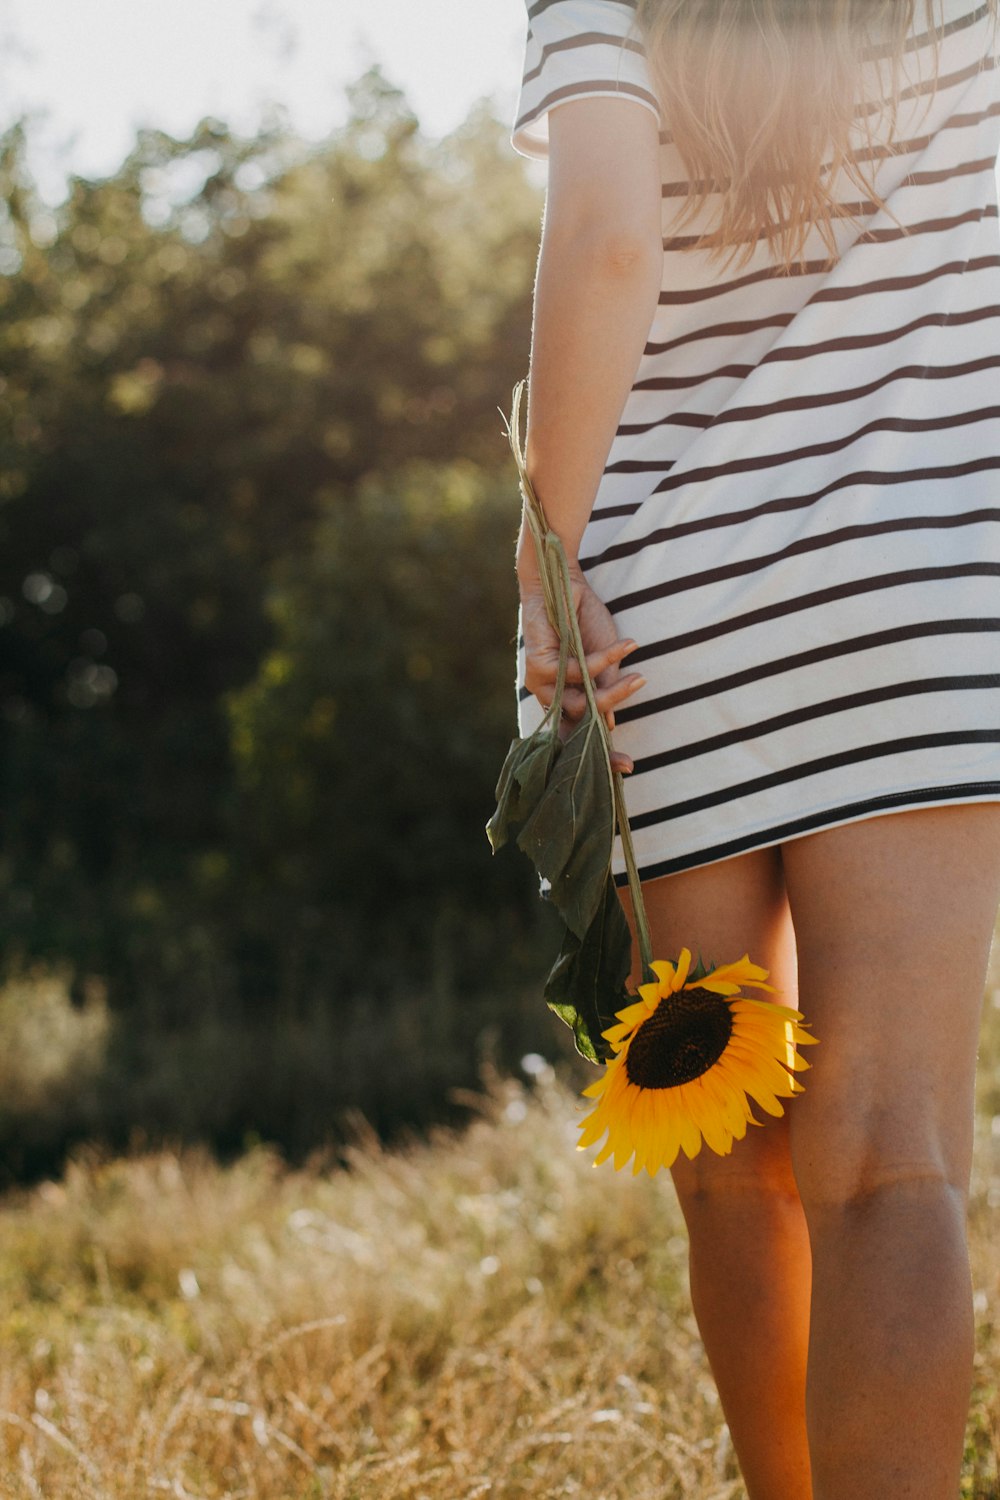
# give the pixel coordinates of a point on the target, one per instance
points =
(622, 256)
(612, 251)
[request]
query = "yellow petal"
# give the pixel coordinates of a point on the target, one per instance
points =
(706, 1117)
(742, 971)
(729, 1100)
(792, 1060)
(595, 1089)
(591, 1131)
(690, 1133)
(671, 1150)
(623, 1150)
(630, 1135)
(766, 1100)
(669, 1127)
(683, 968)
(628, 1019)
(753, 1060)
(766, 1092)
(772, 1035)
(715, 986)
(753, 1006)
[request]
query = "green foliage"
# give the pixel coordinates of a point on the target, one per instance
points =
(366, 745)
(256, 565)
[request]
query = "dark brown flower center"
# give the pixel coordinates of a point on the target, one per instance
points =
(684, 1037)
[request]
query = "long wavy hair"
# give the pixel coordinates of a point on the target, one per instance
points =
(764, 101)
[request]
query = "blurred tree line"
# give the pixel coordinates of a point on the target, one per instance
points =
(256, 620)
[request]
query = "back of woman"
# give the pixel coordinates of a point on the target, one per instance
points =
(809, 454)
(764, 423)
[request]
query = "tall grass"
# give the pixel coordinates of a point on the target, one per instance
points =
(479, 1313)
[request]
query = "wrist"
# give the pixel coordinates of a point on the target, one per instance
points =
(526, 559)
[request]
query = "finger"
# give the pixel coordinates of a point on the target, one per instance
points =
(608, 698)
(541, 673)
(622, 762)
(574, 704)
(600, 661)
(544, 689)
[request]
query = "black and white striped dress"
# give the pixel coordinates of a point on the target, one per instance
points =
(799, 519)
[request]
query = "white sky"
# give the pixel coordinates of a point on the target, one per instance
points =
(98, 68)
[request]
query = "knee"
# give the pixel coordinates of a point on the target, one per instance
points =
(748, 1181)
(853, 1184)
(861, 1152)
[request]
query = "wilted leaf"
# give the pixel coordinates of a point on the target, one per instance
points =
(587, 983)
(522, 782)
(569, 834)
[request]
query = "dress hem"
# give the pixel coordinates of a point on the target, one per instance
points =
(852, 812)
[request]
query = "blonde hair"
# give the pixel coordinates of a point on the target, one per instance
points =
(763, 101)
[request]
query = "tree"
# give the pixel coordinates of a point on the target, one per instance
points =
(250, 404)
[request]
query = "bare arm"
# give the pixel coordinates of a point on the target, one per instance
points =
(596, 290)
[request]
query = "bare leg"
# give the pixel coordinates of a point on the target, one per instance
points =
(749, 1250)
(893, 917)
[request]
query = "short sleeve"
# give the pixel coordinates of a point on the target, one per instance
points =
(575, 49)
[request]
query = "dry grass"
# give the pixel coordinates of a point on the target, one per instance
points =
(479, 1315)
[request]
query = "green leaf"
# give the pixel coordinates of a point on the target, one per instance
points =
(586, 985)
(522, 783)
(700, 969)
(569, 834)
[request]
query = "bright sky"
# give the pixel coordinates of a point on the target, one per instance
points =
(99, 68)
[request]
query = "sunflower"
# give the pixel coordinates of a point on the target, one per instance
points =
(690, 1055)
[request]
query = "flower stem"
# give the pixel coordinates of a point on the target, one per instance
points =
(634, 883)
(553, 713)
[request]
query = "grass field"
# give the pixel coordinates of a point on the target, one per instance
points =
(479, 1314)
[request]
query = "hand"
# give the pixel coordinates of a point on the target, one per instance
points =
(604, 654)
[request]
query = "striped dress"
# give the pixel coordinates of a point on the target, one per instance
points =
(799, 518)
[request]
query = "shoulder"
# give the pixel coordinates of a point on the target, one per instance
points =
(576, 49)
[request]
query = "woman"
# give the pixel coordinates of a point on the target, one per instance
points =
(764, 418)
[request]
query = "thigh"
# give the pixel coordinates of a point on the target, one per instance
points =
(893, 919)
(722, 911)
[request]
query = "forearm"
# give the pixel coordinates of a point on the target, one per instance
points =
(594, 303)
